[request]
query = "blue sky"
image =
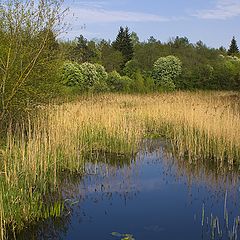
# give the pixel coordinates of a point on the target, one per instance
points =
(212, 21)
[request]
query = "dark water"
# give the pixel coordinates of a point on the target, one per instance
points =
(152, 197)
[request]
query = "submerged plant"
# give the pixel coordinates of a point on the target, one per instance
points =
(216, 230)
(124, 236)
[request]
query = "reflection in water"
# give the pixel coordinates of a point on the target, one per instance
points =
(152, 195)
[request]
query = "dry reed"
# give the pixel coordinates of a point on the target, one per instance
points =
(62, 138)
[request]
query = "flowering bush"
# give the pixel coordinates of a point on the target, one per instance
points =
(71, 74)
(86, 76)
(165, 70)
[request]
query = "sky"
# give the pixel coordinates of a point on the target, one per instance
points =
(214, 22)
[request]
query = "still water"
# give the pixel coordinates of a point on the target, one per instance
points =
(151, 196)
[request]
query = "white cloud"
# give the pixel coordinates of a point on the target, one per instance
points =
(93, 4)
(94, 12)
(224, 9)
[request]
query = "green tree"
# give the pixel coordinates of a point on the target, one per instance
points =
(179, 42)
(153, 40)
(147, 53)
(135, 39)
(84, 51)
(110, 58)
(28, 30)
(123, 43)
(233, 49)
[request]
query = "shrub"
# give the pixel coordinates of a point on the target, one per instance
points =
(87, 76)
(165, 70)
(117, 83)
(90, 75)
(126, 83)
(149, 84)
(138, 82)
(71, 74)
(131, 67)
(101, 72)
(100, 86)
(166, 85)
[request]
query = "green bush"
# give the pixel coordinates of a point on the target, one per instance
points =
(138, 83)
(90, 75)
(165, 70)
(86, 76)
(117, 83)
(71, 74)
(226, 74)
(131, 67)
(149, 84)
(166, 85)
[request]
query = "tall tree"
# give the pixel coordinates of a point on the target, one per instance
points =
(233, 49)
(111, 58)
(123, 43)
(84, 51)
(135, 39)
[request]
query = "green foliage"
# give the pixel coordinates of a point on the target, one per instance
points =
(233, 49)
(138, 83)
(145, 54)
(86, 76)
(197, 77)
(165, 71)
(131, 67)
(123, 43)
(179, 42)
(71, 74)
(149, 84)
(200, 64)
(90, 75)
(117, 83)
(226, 74)
(134, 38)
(29, 56)
(111, 58)
(84, 51)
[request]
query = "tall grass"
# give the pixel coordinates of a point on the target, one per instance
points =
(63, 138)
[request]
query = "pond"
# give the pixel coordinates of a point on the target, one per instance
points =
(151, 196)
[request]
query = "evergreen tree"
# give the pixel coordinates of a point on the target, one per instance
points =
(123, 43)
(233, 49)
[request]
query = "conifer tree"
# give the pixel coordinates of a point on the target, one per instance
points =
(233, 49)
(123, 43)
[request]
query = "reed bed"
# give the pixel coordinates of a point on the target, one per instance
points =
(63, 138)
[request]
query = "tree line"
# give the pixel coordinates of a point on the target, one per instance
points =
(36, 66)
(202, 67)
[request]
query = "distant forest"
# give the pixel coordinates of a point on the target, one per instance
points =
(202, 67)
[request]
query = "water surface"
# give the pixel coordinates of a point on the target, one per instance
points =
(151, 196)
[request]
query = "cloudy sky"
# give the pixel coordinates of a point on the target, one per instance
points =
(212, 21)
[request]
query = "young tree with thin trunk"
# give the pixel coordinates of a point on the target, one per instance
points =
(25, 29)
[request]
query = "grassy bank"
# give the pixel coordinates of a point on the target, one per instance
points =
(62, 138)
